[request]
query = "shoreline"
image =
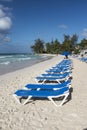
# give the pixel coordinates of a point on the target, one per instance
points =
(23, 64)
(35, 66)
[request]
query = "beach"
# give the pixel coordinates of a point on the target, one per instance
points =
(42, 114)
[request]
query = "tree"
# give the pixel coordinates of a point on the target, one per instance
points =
(48, 47)
(69, 43)
(83, 44)
(53, 47)
(66, 43)
(38, 47)
(74, 40)
(56, 47)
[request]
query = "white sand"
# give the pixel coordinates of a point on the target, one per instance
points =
(42, 114)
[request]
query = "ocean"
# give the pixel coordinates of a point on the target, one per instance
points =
(12, 62)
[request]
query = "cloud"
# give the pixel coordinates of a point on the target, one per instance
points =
(84, 32)
(5, 10)
(5, 23)
(62, 26)
(4, 38)
(2, 14)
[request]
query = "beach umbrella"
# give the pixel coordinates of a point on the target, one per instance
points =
(65, 53)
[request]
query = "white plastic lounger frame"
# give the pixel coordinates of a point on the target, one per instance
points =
(65, 95)
(57, 80)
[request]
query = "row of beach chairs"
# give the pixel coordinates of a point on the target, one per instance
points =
(52, 84)
(84, 59)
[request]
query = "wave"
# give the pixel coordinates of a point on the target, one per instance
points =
(8, 59)
(3, 57)
(22, 59)
(5, 63)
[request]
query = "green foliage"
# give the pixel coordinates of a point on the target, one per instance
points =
(70, 43)
(76, 51)
(55, 47)
(38, 47)
(48, 47)
(83, 44)
(74, 40)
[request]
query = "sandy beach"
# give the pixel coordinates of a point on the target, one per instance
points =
(42, 114)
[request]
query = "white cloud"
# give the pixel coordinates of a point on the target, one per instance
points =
(5, 10)
(2, 14)
(84, 32)
(62, 26)
(1, 36)
(7, 39)
(5, 23)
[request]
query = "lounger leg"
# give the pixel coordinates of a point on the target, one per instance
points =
(52, 101)
(58, 81)
(27, 100)
(43, 81)
(17, 99)
(66, 95)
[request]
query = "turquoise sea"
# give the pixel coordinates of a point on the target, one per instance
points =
(12, 62)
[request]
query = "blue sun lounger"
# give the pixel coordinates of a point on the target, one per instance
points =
(57, 79)
(50, 94)
(58, 70)
(63, 66)
(84, 59)
(56, 74)
(65, 63)
(48, 86)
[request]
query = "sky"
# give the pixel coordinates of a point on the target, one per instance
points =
(24, 21)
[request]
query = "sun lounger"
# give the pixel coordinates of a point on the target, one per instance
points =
(63, 63)
(48, 86)
(19, 94)
(56, 74)
(62, 67)
(57, 79)
(84, 59)
(58, 70)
